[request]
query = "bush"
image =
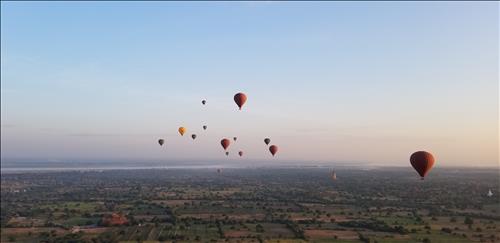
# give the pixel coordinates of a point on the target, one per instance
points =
(446, 230)
(468, 221)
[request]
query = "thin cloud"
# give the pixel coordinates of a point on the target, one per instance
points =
(84, 134)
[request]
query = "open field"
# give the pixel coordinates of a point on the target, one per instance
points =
(251, 205)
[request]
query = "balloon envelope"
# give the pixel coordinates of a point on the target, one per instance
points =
(422, 162)
(161, 141)
(193, 136)
(227, 153)
(240, 99)
(240, 153)
(333, 175)
(273, 149)
(182, 130)
(204, 127)
(267, 141)
(225, 143)
(234, 138)
(203, 101)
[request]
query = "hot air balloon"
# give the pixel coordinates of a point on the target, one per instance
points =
(204, 127)
(225, 143)
(227, 153)
(193, 136)
(422, 162)
(182, 130)
(273, 149)
(267, 141)
(219, 171)
(234, 138)
(161, 141)
(333, 175)
(490, 194)
(240, 99)
(240, 153)
(203, 101)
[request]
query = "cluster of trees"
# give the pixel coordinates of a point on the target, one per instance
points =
(375, 225)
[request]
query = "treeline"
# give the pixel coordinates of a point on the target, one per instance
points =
(375, 225)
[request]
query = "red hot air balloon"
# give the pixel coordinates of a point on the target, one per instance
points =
(240, 153)
(225, 143)
(240, 99)
(422, 162)
(273, 149)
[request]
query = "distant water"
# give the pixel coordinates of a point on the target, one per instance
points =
(32, 166)
(17, 167)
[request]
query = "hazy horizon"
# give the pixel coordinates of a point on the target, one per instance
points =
(359, 82)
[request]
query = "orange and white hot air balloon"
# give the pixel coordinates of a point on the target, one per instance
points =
(182, 130)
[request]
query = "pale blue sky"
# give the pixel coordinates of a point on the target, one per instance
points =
(326, 81)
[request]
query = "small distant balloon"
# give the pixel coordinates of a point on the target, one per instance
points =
(182, 130)
(333, 175)
(240, 99)
(193, 136)
(227, 153)
(161, 141)
(235, 138)
(267, 141)
(204, 127)
(240, 153)
(422, 162)
(203, 102)
(225, 143)
(273, 149)
(219, 171)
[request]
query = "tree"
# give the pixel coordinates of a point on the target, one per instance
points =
(446, 230)
(259, 228)
(468, 221)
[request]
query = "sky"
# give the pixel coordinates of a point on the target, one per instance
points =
(351, 82)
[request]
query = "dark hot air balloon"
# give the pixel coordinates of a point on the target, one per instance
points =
(203, 101)
(161, 141)
(204, 127)
(219, 171)
(240, 99)
(240, 153)
(193, 136)
(267, 141)
(273, 149)
(422, 162)
(225, 143)
(235, 138)
(227, 153)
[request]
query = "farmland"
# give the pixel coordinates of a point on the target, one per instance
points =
(251, 205)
